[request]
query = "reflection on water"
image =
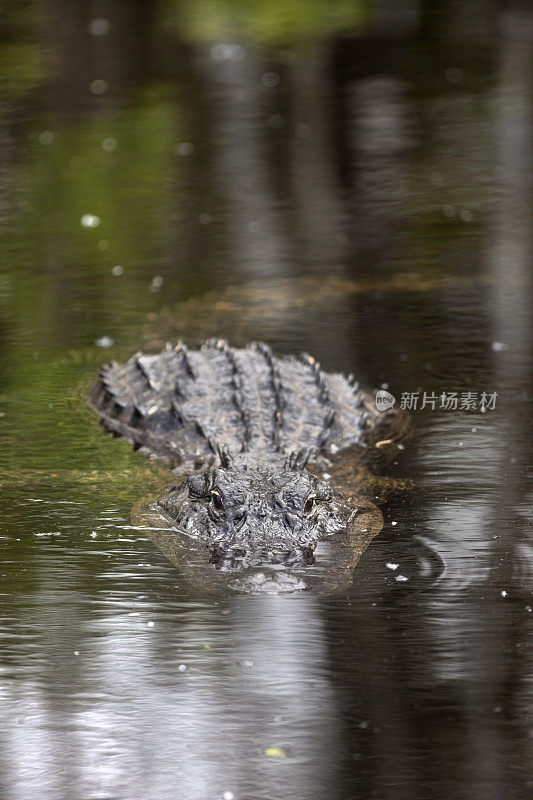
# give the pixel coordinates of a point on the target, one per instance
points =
(351, 183)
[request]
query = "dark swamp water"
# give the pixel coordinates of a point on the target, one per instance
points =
(348, 179)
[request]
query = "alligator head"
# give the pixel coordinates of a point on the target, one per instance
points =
(249, 515)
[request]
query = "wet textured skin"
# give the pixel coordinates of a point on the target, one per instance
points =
(251, 432)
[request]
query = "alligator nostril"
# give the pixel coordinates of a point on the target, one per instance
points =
(217, 556)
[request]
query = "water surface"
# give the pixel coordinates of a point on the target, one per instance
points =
(352, 185)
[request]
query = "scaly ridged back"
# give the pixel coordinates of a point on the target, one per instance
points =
(186, 405)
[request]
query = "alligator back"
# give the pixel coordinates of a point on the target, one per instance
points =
(190, 406)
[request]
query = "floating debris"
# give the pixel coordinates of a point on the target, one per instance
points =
(105, 341)
(498, 347)
(392, 566)
(90, 221)
(225, 51)
(275, 752)
(400, 578)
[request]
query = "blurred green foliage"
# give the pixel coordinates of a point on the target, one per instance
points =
(267, 22)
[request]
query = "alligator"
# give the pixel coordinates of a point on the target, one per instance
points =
(256, 439)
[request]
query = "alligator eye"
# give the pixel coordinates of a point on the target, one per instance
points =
(216, 501)
(309, 505)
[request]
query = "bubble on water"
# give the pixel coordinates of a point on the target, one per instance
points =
(228, 796)
(205, 219)
(254, 226)
(474, 430)
(400, 578)
(184, 149)
(105, 341)
(182, 668)
(98, 86)
(90, 221)
(109, 144)
(363, 725)
(157, 283)
(46, 137)
(118, 270)
(392, 566)
(503, 593)
(453, 75)
(394, 522)
(94, 534)
(270, 80)
(103, 244)
(466, 215)
(76, 652)
(99, 26)
(150, 624)
(449, 211)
